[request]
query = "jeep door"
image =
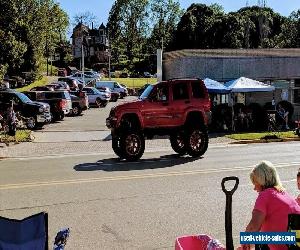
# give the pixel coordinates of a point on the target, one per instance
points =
(156, 111)
(180, 102)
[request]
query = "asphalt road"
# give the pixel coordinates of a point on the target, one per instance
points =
(74, 176)
(110, 204)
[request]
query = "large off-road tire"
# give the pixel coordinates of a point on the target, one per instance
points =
(116, 146)
(178, 142)
(132, 145)
(196, 140)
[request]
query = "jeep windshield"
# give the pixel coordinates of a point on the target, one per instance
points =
(146, 92)
(23, 97)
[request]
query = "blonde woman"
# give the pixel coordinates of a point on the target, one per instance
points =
(272, 205)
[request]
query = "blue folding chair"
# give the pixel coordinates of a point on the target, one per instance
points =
(31, 233)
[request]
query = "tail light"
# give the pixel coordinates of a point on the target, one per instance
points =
(81, 94)
(63, 104)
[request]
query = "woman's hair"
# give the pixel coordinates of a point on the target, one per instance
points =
(265, 174)
(298, 174)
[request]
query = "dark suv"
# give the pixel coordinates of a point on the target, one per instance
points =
(179, 108)
(59, 101)
(36, 113)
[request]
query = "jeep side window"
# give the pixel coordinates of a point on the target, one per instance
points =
(160, 93)
(180, 91)
(197, 90)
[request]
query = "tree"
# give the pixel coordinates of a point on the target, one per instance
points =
(86, 18)
(199, 27)
(25, 26)
(127, 27)
(165, 15)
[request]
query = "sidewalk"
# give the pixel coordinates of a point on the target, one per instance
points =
(96, 142)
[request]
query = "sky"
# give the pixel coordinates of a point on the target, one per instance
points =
(101, 8)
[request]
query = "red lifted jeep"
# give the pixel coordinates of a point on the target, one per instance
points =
(179, 108)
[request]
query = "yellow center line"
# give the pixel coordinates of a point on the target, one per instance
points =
(130, 177)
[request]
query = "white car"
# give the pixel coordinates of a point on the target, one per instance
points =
(88, 79)
(113, 86)
(96, 97)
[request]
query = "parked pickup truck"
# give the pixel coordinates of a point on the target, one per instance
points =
(179, 108)
(36, 113)
(59, 101)
(80, 102)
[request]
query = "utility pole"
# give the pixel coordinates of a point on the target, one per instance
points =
(109, 73)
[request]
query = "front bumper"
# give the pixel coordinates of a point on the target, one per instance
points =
(43, 118)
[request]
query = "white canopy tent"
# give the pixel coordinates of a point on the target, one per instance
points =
(245, 85)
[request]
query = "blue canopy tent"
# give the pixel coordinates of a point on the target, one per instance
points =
(215, 87)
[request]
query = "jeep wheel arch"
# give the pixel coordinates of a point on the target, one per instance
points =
(130, 122)
(194, 117)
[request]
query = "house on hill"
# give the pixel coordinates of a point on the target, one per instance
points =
(93, 42)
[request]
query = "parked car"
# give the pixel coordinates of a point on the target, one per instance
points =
(42, 88)
(62, 72)
(80, 104)
(59, 86)
(114, 96)
(93, 74)
(73, 83)
(179, 108)
(59, 101)
(96, 97)
(113, 86)
(36, 114)
(16, 82)
(88, 79)
(147, 75)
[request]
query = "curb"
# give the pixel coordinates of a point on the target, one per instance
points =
(265, 140)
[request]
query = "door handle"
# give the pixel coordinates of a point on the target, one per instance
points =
(165, 103)
(187, 102)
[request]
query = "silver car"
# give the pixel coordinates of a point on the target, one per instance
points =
(96, 97)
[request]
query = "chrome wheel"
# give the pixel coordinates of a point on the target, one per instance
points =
(197, 141)
(133, 144)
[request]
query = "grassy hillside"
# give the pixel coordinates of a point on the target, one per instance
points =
(133, 82)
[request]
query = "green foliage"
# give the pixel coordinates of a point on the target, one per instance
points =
(27, 28)
(37, 83)
(137, 28)
(133, 82)
(21, 136)
(208, 27)
(257, 136)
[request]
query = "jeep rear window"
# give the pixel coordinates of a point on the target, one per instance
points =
(197, 90)
(180, 91)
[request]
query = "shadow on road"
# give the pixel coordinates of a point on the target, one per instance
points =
(115, 164)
